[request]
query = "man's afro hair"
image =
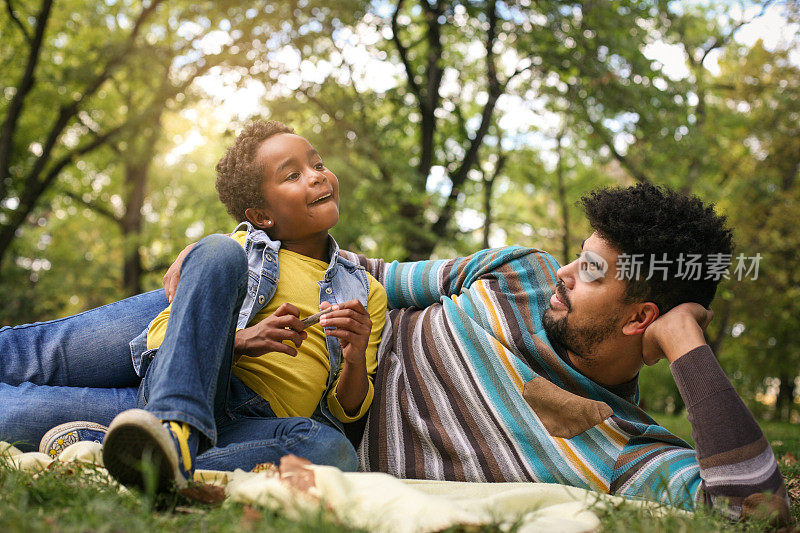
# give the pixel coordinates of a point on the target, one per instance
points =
(659, 222)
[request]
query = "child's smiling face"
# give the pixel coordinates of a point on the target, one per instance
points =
(301, 196)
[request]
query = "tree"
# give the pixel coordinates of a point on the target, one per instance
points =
(762, 193)
(32, 158)
(453, 66)
(96, 76)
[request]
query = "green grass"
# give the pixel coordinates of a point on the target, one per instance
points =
(783, 436)
(72, 498)
(785, 441)
(75, 498)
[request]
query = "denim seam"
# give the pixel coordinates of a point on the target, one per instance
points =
(248, 403)
(285, 441)
(232, 411)
(136, 368)
(192, 421)
(35, 324)
(243, 284)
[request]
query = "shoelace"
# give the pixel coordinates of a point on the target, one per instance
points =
(182, 432)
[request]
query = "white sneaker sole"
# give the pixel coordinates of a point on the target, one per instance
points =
(50, 439)
(138, 446)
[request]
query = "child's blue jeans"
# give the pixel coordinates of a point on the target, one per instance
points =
(79, 368)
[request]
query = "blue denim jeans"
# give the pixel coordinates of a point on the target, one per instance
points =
(79, 368)
(28, 411)
(90, 349)
(73, 368)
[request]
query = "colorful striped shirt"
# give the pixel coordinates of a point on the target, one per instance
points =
(469, 388)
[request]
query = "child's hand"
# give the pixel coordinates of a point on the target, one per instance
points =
(266, 336)
(352, 326)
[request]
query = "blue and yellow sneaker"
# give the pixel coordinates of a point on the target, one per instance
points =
(63, 435)
(139, 446)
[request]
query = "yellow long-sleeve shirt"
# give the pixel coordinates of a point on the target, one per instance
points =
(294, 385)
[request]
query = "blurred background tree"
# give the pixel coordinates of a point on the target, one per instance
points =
(452, 125)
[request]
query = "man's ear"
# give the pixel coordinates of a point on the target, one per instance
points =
(643, 315)
(258, 217)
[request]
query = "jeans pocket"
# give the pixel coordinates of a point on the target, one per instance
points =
(244, 402)
(256, 407)
(145, 360)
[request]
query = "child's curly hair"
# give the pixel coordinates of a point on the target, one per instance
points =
(239, 175)
(658, 222)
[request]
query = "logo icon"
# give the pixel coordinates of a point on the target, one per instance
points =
(591, 266)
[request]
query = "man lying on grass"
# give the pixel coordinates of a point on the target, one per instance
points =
(505, 367)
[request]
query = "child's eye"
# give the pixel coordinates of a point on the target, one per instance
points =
(319, 166)
(293, 176)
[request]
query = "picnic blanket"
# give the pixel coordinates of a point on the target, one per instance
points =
(380, 502)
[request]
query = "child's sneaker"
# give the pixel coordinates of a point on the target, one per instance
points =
(61, 436)
(137, 442)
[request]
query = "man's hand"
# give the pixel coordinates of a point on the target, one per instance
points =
(353, 326)
(675, 333)
(173, 274)
(267, 335)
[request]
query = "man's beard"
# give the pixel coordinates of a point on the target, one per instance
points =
(579, 340)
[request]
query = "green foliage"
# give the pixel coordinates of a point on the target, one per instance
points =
(761, 195)
(657, 390)
(413, 113)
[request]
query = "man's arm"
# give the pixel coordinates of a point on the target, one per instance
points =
(423, 283)
(735, 459)
(418, 283)
(173, 275)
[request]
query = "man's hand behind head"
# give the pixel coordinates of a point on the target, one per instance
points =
(173, 274)
(675, 333)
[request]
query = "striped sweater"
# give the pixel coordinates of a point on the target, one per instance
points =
(469, 388)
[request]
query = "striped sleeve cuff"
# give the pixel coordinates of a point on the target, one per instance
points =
(698, 375)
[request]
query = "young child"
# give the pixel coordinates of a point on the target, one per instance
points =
(238, 306)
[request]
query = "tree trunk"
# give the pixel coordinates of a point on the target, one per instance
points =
(35, 185)
(487, 210)
(136, 174)
(131, 225)
(785, 398)
(488, 185)
(562, 200)
(722, 330)
(421, 235)
(27, 82)
(417, 243)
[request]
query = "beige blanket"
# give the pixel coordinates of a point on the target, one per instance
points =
(379, 502)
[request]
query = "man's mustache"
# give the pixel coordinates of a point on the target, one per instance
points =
(561, 290)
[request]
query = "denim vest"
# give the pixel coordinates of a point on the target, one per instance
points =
(343, 281)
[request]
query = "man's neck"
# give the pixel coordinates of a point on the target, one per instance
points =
(315, 246)
(610, 364)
